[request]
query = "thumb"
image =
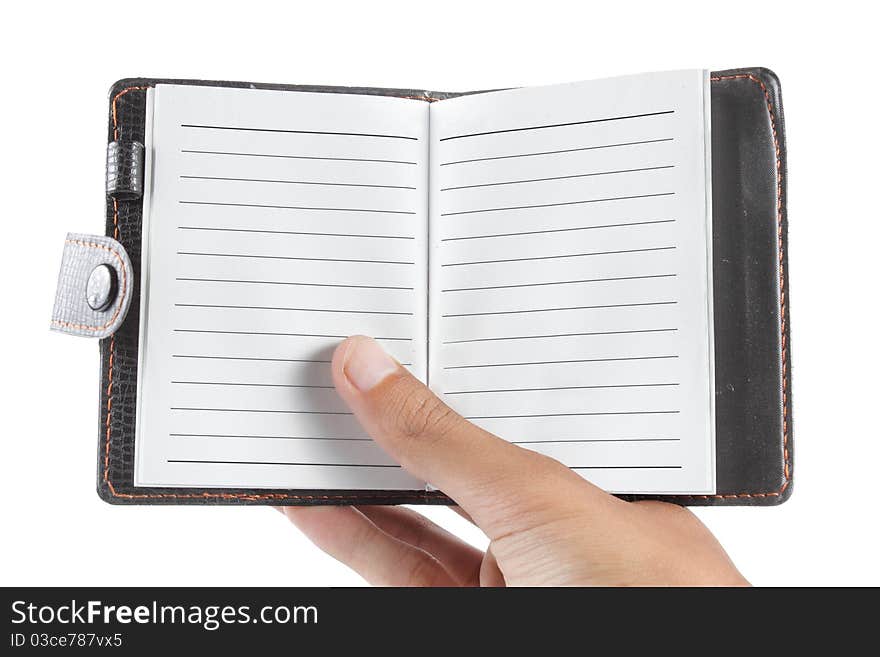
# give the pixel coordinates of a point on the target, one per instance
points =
(483, 473)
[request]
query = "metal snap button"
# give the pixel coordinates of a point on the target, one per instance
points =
(101, 287)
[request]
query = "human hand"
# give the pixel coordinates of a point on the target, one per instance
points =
(546, 525)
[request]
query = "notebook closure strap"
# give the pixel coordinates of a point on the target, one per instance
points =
(95, 286)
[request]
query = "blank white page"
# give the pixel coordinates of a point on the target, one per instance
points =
(570, 307)
(276, 224)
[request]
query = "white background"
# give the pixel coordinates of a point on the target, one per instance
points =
(58, 63)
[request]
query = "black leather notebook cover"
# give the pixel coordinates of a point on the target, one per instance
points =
(754, 448)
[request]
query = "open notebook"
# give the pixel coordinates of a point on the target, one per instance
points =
(541, 257)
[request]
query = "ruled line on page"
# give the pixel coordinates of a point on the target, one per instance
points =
(304, 310)
(252, 385)
(257, 410)
(551, 178)
(624, 467)
(544, 283)
(294, 182)
(558, 230)
(559, 335)
(380, 465)
(296, 207)
(278, 333)
(595, 387)
(584, 414)
(294, 232)
(558, 152)
(309, 464)
(560, 125)
(296, 132)
(555, 205)
(259, 358)
(263, 437)
(563, 308)
(343, 285)
(557, 257)
(596, 440)
(299, 157)
(277, 257)
(558, 362)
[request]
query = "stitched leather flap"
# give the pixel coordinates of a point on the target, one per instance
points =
(94, 286)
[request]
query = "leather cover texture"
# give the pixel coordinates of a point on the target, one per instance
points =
(754, 448)
(125, 169)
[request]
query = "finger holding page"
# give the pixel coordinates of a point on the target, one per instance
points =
(503, 487)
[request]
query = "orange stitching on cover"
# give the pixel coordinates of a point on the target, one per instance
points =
(86, 327)
(113, 112)
(115, 224)
(107, 424)
(255, 497)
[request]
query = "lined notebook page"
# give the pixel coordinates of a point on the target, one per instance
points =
(276, 224)
(570, 293)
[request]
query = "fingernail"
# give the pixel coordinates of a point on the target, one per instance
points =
(366, 364)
